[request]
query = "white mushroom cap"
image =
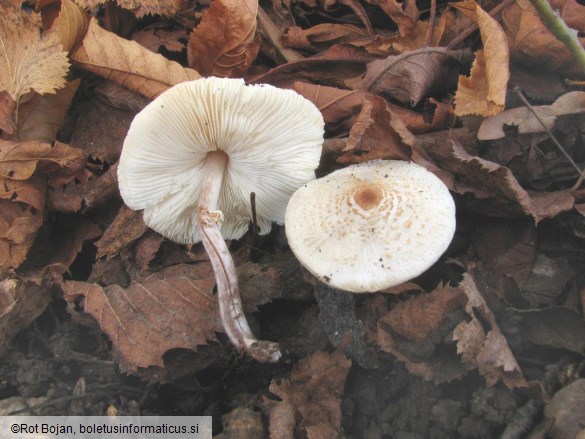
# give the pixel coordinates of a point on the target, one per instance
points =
(273, 139)
(371, 226)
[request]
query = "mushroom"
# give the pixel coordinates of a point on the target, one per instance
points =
(370, 226)
(193, 156)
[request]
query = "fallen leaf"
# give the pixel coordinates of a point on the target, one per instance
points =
(85, 195)
(127, 227)
(65, 17)
(310, 400)
(128, 63)
(156, 35)
(21, 303)
(571, 12)
(413, 75)
(484, 92)
(321, 36)
(19, 160)
(7, 113)
(375, 135)
(566, 411)
(149, 318)
(526, 122)
(140, 8)
(29, 61)
(532, 44)
(404, 14)
(222, 44)
(481, 343)
(42, 117)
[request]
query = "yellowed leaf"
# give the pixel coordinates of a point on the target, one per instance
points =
(484, 92)
(222, 44)
(128, 63)
(29, 60)
(71, 24)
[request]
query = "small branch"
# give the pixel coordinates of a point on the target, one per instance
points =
(555, 24)
(518, 93)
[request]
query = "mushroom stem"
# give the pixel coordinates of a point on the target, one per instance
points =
(230, 305)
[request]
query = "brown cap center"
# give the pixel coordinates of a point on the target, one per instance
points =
(368, 197)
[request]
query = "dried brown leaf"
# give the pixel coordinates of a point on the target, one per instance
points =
(319, 37)
(19, 160)
(7, 113)
(128, 63)
(404, 14)
(21, 303)
(155, 36)
(411, 76)
(139, 8)
(149, 318)
(222, 44)
(493, 127)
(42, 117)
(310, 400)
(127, 227)
(66, 18)
(485, 349)
(484, 92)
(29, 61)
(532, 44)
(565, 412)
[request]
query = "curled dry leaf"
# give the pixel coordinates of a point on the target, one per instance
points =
(21, 303)
(485, 348)
(223, 43)
(155, 36)
(532, 44)
(66, 18)
(140, 8)
(29, 60)
(318, 37)
(310, 400)
(493, 127)
(413, 75)
(128, 63)
(149, 318)
(484, 92)
(19, 160)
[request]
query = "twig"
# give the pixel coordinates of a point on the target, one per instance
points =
(554, 23)
(518, 92)
(431, 25)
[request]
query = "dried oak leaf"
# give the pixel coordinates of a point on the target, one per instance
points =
(485, 347)
(21, 302)
(19, 160)
(411, 76)
(41, 117)
(532, 44)
(310, 400)
(524, 120)
(151, 317)
(223, 43)
(127, 227)
(29, 60)
(128, 63)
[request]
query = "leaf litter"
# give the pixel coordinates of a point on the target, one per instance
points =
(487, 343)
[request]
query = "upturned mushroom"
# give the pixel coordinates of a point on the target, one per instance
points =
(370, 226)
(193, 156)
